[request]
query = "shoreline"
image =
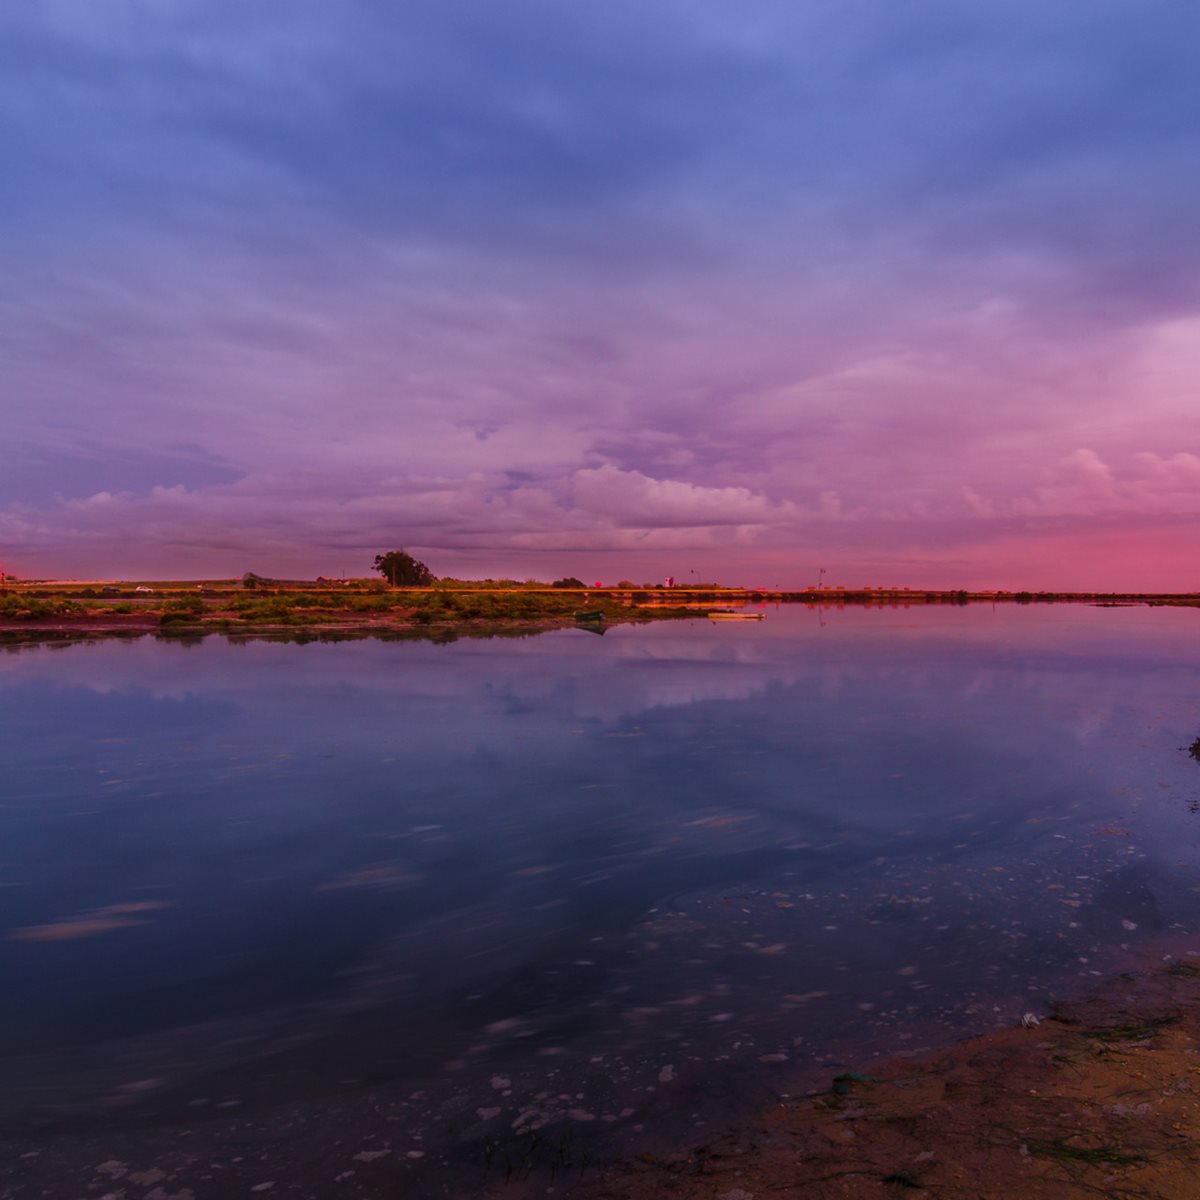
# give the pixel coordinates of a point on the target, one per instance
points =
(400, 627)
(58, 613)
(1101, 1097)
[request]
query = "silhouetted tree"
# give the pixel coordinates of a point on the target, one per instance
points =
(402, 570)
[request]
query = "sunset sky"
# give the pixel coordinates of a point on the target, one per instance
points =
(906, 290)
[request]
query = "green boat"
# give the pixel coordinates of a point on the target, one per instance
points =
(590, 614)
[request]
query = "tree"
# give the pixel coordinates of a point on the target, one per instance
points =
(402, 570)
(569, 582)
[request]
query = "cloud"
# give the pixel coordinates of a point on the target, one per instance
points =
(633, 500)
(289, 517)
(1085, 485)
(287, 279)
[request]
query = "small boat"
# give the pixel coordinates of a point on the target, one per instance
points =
(590, 614)
(736, 616)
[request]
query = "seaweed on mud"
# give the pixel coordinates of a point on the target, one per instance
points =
(556, 1151)
(902, 1179)
(843, 1084)
(1134, 1031)
(1106, 1154)
(1185, 970)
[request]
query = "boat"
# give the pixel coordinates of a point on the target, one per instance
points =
(590, 614)
(736, 616)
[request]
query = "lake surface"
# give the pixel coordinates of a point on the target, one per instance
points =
(620, 886)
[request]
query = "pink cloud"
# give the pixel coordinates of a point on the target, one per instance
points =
(1084, 485)
(633, 500)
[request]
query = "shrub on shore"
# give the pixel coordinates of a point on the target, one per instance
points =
(184, 611)
(15, 607)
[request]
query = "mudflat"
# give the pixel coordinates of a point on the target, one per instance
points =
(1102, 1098)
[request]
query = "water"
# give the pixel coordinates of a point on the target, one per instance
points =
(621, 886)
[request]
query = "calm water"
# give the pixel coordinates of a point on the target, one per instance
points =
(628, 881)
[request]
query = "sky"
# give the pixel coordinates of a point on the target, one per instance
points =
(906, 291)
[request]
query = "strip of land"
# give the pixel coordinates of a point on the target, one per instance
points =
(360, 608)
(323, 609)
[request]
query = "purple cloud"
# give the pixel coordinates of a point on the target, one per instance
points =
(542, 289)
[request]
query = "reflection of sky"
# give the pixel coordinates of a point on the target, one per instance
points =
(414, 807)
(634, 669)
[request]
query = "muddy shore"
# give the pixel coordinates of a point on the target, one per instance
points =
(1102, 1098)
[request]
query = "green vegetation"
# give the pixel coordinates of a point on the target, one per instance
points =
(33, 607)
(275, 610)
(440, 609)
(185, 607)
(450, 606)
